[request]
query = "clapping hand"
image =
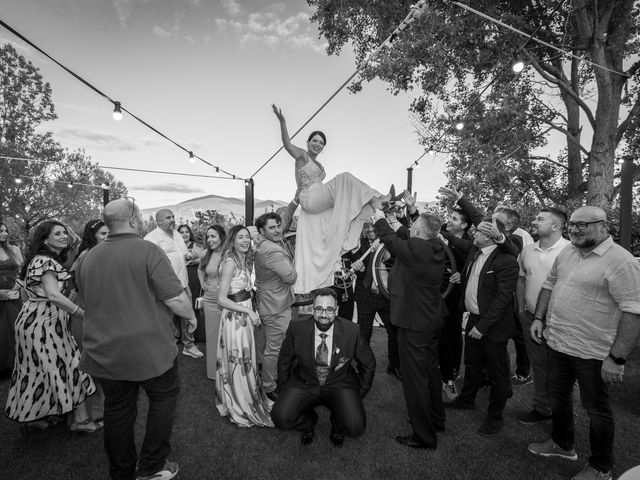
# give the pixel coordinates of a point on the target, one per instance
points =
(455, 278)
(410, 200)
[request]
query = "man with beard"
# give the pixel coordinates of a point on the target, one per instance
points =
(316, 367)
(589, 312)
(275, 276)
(536, 261)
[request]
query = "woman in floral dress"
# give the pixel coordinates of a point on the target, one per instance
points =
(239, 392)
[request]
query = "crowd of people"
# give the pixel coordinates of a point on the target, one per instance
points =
(82, 330)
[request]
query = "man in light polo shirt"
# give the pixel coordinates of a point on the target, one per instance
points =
(130, 292)
(171, 242)
(589, 311)
(536, 261)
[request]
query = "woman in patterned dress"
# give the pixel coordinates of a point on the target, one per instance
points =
(239, 392)
(10, 303)
(46, 381)
(332, 214)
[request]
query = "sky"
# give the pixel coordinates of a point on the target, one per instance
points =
(205, 73)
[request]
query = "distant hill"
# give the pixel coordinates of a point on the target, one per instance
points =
(224, 205)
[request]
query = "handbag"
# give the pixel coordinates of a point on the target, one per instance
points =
(199, 303)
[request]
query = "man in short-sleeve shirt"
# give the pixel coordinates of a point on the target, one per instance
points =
(130, 293)
(591, 303)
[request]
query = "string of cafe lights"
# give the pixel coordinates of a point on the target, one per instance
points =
(109, 167)
(118, 108)
(517, 66)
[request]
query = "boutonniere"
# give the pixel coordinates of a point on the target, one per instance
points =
(342, 362)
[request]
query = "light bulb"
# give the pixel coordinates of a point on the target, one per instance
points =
(105, 186)
(432, 151)
(417, 164)
(18, 181)
(518, 66)
(459, 126)
(70, 185)
(192, 159)
(117, 111)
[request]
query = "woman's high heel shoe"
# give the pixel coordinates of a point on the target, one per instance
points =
(83, 427)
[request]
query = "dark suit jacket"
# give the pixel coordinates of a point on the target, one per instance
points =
(297, 360)
(415, 279)
(496, 286)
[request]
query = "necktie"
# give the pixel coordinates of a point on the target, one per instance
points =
(322, 359)
(475, 257)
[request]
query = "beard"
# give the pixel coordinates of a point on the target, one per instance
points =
(582, 242)
(323, 327)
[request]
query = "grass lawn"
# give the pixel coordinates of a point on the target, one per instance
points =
(208, 446)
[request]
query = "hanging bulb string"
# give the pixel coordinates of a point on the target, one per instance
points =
(107, 167)
(104, 95)
(537, 40)
(493, 80)
(68, 183)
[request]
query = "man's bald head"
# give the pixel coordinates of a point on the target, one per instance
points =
(166, 220)
(589, 214)
(120, 214)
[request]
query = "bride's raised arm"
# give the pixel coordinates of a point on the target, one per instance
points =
(296, 152)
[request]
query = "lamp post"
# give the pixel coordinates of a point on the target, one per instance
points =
(626, 193)
(248, 201)
(410, 179)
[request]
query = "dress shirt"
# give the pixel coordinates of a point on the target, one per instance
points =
(471, 293)
(588, 295)
(535, 265)
(175, 248)
(328, 341)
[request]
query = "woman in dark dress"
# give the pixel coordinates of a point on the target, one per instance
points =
(10, 303)
(193, 262)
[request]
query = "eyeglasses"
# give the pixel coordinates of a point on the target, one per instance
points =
(328, 310)
(582, 226)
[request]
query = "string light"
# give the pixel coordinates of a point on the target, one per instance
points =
(432, 151)
(518, 66)
(417, 164)
(70, 185)
(192, 158)
(459, 125)
(104, 186)
(117, 111)
(18, 180)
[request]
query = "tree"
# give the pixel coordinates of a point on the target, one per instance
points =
(25, 103)
(449, 54)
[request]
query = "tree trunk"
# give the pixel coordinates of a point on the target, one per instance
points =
(575, 192)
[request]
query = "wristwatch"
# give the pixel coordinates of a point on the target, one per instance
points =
(617, 360)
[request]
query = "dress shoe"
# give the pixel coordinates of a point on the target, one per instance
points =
(272, 395)
(411, 441)
(336, 438)
(394, 371)
(306, 438)
(490, 427)
(457, 404)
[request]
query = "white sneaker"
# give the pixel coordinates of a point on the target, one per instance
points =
(169, 470)
(192, 351)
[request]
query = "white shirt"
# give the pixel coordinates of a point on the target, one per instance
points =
(328, 341)
(471, 293)
(175, 248)
(524, 235)
(535, 265)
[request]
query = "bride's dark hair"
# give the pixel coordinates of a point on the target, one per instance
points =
(318, 132)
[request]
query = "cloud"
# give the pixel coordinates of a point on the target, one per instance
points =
(232, 7)
(82, 137)
(160, 32)
(168, 187)
(123, 11)
(268, 28)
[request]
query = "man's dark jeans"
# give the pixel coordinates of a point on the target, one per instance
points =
(563, 371)
(120, 411)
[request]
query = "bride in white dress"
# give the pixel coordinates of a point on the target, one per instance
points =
(332, 215)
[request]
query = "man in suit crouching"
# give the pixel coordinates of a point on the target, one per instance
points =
(316, 367)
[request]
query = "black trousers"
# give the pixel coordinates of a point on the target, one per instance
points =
(370, 303)
(120, 411)
(421, 382)
(485, 354)
(523, 366)
(450, 346)
(294, 409)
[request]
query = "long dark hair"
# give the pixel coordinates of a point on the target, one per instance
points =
(191, 237)
(6, 246)
(228, 251)
(89, 236)
(204, 261)
(38, 247)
